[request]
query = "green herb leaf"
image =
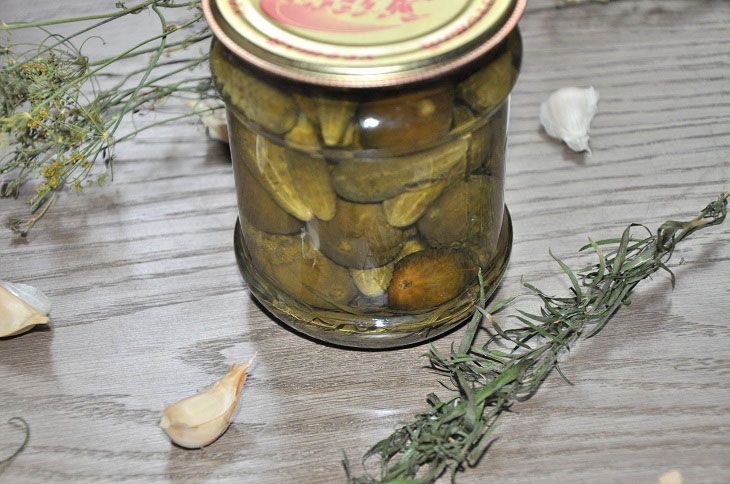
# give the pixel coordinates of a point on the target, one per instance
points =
(488, 381)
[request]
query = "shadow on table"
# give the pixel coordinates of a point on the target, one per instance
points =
(16, 352)
(192, 466)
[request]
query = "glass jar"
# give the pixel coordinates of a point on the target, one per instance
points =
(369, 198)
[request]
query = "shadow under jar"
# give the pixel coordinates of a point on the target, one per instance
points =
(370, 191)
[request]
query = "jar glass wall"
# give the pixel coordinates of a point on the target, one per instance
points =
(365, 215)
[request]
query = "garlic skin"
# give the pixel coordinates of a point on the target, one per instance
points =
(671, 477)
(216, 125)
(567, 115)
(21, 308)
(215, 122)
(198, 420)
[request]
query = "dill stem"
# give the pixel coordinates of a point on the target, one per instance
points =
(89, 74)
(110, 16)
(184, 42)
(151, 66)
(25, 440)
(126, 92)
(75, 34)
(166, 120)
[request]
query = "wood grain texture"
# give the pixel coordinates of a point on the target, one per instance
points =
(149, 305)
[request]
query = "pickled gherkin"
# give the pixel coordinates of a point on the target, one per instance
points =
(300, 269)
(358, 236)
(406, 119)
(374, 180)
(463, 214)
(268, 162)
(260, 209)
(311, 179)
(487, 88)
(426, 279)
(407, 207)
(263, 104)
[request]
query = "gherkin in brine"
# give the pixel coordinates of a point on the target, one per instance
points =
(258, 208)
(467, 213)
(268, 162)
(428, 278)
(294, 265)
(375, 179)
(358, 236)
(406, 119)
(261, 102)
(488, 87)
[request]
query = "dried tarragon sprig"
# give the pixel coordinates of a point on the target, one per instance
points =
(56, 120)
(456, 432)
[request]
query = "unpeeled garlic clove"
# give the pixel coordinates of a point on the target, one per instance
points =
(214, 121)
(198, 420)
(671, 477)
(21, 308)
(567, 115)
(216, 124)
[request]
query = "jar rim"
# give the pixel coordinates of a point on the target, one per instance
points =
(431, 63)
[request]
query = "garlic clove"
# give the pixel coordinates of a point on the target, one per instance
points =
(198, 420)
(215, 122)
(567, 115)
(21, 308)
(216, 125)
(30, 295)
(671, 477)
(373, 282)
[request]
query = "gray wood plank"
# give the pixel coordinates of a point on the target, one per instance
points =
(149, 305)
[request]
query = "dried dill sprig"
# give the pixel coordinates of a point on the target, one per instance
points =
(56, 119)
(489, 380)
(17, 451)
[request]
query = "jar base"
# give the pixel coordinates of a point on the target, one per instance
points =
(373, 330)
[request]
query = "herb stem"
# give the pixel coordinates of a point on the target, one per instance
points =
(91, 73)
(17, 451)
(164, 121)
(110, 15)
(488, 380)
(151, 65)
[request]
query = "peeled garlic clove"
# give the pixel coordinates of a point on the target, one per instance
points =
(567, 115)
(373, 282)
(335, 117)
(199, 420)
(21, 308)
(411, 246)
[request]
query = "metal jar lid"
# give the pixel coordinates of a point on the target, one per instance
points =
(361, 43)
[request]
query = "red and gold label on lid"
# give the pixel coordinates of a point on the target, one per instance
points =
(361, 42)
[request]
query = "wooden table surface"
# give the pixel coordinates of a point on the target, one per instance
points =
(149, 305)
